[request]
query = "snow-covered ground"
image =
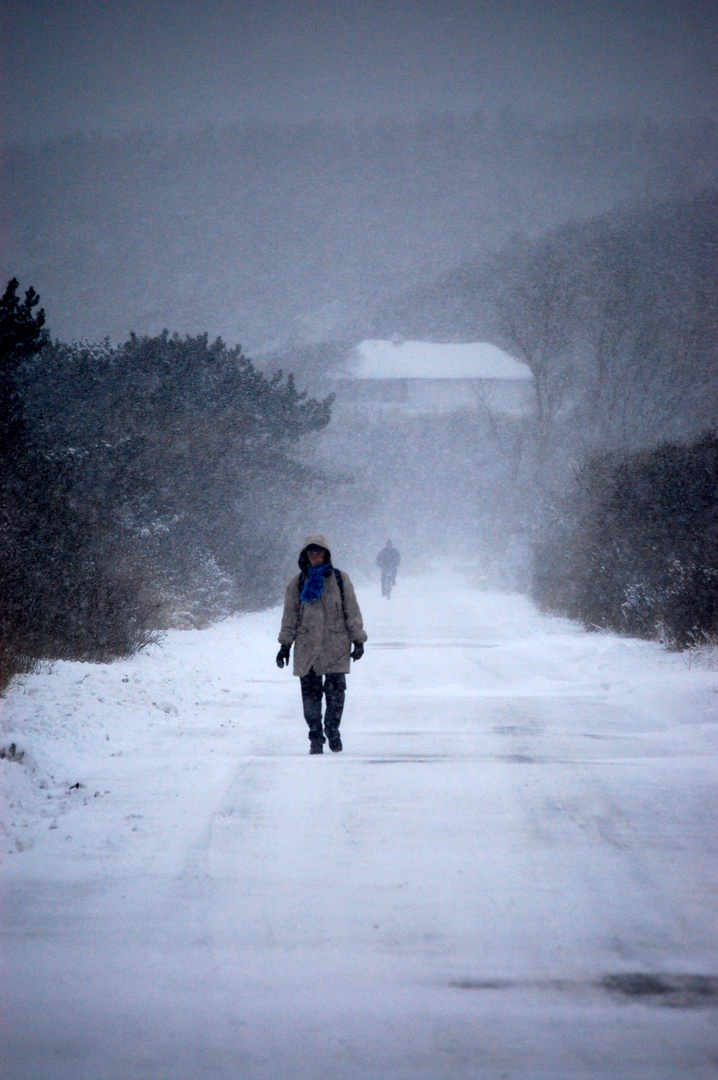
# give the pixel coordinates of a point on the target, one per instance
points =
(510, 872)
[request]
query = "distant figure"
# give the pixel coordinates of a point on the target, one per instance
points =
(322, 620)
(388, 561)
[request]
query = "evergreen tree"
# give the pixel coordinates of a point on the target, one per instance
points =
(138, 483)
(22, 335)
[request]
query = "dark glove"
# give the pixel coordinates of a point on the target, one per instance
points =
(283, 655)
(358, 651)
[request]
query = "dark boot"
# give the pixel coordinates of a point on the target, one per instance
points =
(335, 742)
(316, 739)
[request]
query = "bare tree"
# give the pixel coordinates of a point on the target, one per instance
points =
(534, 306)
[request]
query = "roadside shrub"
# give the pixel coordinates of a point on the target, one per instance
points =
(144, 486)
(634, 546)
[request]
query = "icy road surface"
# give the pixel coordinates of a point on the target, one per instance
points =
(509, 873)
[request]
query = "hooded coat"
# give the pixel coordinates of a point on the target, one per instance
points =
(321, 635)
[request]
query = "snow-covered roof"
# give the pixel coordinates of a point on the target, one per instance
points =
(375, 359)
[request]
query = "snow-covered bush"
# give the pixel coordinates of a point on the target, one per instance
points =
(634, 547)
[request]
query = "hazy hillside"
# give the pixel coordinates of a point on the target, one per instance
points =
(664, 247)
(280, 234)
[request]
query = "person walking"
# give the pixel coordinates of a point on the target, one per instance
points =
(388, 561)
(322, 620)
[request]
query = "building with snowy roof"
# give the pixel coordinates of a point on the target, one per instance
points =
(430, 377)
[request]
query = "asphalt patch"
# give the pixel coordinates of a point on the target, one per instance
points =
(674, 991)
(661, 990)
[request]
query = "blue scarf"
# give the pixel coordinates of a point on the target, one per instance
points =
(314, 585)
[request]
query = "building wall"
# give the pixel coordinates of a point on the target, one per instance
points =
(510, 397)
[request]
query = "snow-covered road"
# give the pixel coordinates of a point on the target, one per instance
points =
(510, 872)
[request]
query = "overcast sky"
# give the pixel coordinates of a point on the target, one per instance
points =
(73, 65)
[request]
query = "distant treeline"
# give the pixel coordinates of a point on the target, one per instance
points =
(271, 235)
(142, 486)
